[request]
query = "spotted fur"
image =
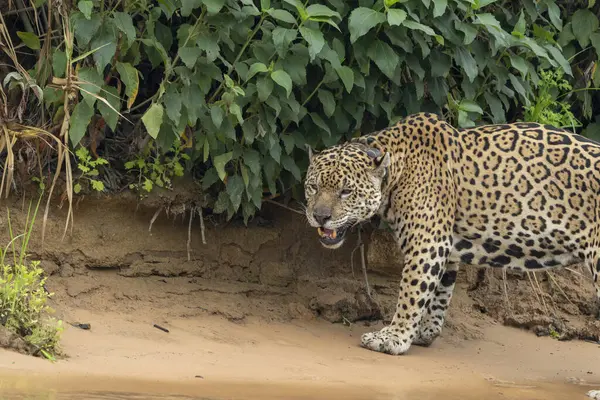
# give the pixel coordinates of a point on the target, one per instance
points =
(520, 196)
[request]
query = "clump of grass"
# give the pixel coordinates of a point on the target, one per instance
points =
(24, 308)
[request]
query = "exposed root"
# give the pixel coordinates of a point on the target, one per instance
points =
(156, 214)
(189, 241)
(541, 293)
(535, 292)
(559, 288)
(361, 246)
(364, 266)
(505, 285)
(199, 209)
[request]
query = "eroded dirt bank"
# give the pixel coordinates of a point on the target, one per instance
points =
(256, 304)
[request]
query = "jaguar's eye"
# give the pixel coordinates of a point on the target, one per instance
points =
(311, 188)
(345, 193)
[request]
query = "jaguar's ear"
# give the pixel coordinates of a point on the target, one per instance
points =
(310, 152)
(382, 162)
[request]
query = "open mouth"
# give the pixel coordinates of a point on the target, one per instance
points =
(331, 237)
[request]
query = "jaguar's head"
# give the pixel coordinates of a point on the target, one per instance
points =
(343, 187)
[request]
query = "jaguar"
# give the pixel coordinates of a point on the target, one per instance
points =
(521, 196)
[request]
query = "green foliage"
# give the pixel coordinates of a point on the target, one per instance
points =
(548, 109)
(89, 171)
(257, 81)
(23, 297)
(156, 170)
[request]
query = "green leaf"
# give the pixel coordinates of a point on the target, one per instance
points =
(187, 6)
(59, 63)
(288, 163)
(217, 114)
(328, 101)
(465, 60)
(265, 5)
(519, 29)
(470, 106)
(469, 30)
(560, 58)
(93, 87)
(153, 119)
(554, 14)
(173, 102)
(320, 10)
(395, 16)
(320, 123)
(282, 78)
(315, 40)
(80, 119)
(124, 23)
(440, 64)
(362, 20)
(300, 7)
(213, 6)
(97, 185)
(495, 104)
(384, 57)
(29, 39)
(189, 55)
(264, 87)
(85, 30)
(519, 64)
(220, 161)
(282, 38)
(439, 7)
(252, 160)
(86, 7)
(595, 39)
(110, 116)
(235, 189)
(106, 43)
(282, 15)
(148, 185)
(129, 76)
(584, 23)
(255, 69)
(518, 87)
(236, 110)
(347, 76)
(420, 27)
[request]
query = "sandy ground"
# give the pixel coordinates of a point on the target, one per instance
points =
(212, 357)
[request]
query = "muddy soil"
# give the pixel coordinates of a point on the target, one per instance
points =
(273, 269)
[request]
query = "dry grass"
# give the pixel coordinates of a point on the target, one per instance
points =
(12, 128)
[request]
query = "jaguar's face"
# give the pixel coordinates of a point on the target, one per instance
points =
(343, 188)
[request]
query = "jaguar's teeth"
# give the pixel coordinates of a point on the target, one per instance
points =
(334, 234)
(320, 231)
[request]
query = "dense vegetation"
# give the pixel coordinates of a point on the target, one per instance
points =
(229, 92)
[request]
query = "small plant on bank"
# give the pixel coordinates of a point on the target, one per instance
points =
(156, 170)
(547, 107)
(23, 297)
(89, 171)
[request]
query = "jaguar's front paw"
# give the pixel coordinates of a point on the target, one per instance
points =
(387, 341)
